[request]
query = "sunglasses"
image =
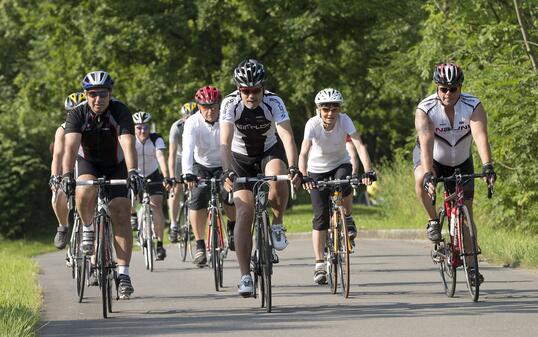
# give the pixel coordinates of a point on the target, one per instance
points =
(444, 90)
(101, 93)
(332, 108)
(250, 91)
(142, 127)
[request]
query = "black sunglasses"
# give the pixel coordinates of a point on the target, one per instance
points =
(444, 90)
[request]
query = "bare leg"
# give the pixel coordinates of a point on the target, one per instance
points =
(244, 204)
(156, 203)
(121, 219)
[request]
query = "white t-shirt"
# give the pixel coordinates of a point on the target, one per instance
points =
(201, 143)
(328, 150)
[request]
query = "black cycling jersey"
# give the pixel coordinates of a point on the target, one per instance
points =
(100, 143)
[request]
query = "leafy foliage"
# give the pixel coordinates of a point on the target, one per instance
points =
(379, 54)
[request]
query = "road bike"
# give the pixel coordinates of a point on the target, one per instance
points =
(216, 238)
(185, 236)
(458, 246)
(107, 275)
(146, 230)
(338, 246)
(262, 258)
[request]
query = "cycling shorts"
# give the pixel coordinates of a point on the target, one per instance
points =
(245, 166)
(118, 171)
(200, 196)
(321, 199)
(155, 189)
(441, 170)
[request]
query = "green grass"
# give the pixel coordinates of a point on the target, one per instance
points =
(20, 298)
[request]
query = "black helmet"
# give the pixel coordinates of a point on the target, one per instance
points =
(449, 74)
(249, 73)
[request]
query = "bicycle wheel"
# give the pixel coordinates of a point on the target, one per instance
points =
(336, 252)
(221, 251)
(444, 256)
(343, 256)
(267, 262)
(80, 276)
(102, 262)
(470, 250)
(332, 279)
(214, 247)
(184, 236)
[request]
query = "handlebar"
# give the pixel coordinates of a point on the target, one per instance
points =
(458, 176)
(354, 182)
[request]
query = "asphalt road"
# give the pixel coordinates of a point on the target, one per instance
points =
(395, 291)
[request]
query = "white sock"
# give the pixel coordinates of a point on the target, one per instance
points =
(88, 228)
(320, 265)
(62, 227)
(123, 270)
(173, 224)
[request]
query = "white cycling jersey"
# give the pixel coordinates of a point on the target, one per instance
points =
(328, 150)
(254, 129)
(147, 153)
(176, 134)
(201, 142)
(452, 144)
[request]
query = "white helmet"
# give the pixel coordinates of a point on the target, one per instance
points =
(141, 117)
(329, 95)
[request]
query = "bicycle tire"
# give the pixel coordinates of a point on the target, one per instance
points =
(183, 239)
(329, 257)
(447, 270)
(102, 263)
(221, 251)
(343, 256)
(334, 259)
(151, 251)
(470, 249)
(259, 261)
(267, 262)
(214, 247)
(81, 278)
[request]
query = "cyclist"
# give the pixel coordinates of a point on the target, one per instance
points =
(150, 148)
(59, 201)
(174, 166)
(99, 135)
(201, 158)
(324, 154)
(256, 137)
(446, 123)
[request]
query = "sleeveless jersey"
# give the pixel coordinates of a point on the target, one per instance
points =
(452, 144)
(147, 153)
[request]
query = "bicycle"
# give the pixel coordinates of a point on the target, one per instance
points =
(216, 240)
(338, 246)
(105, 262)
(455, 248)
(146, 230)
(262, 259)
(185, 236)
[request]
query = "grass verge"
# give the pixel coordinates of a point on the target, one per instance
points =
(20, 298)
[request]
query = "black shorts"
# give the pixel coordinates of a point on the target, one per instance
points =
(245, 166)
(466, 167)
(118, 171)
(321, 199)
(154, 189)
(200, 195)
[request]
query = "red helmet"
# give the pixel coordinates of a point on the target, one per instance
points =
(207, 95)
(449, 74)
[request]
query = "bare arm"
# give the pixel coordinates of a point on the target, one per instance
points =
(479, 130)
(350, 148)
(172, 158)
(362, 150)
(303, 156)
(72, 143)
(285, 132)
(58, 152)
(127, 143)
(226, 137)
(425, 134)
(161, 159)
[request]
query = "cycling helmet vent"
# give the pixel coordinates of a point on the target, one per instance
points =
(141, 117)
(188, 109)
(329, 95)
(448, 74)
(207, 95)
(96, 79)
(249, 73)
(73, 100)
